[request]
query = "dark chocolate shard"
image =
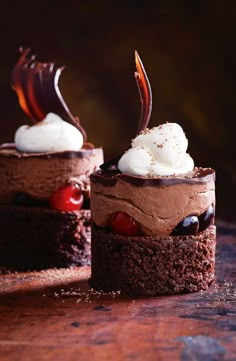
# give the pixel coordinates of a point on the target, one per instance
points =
(145, 93)
(36, 85)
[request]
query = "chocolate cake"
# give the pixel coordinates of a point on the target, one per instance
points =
(153, 265)
(45, 186)
(37, 238)
(153, 214)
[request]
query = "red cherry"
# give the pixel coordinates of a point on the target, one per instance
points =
(122, 223)
(68, 198)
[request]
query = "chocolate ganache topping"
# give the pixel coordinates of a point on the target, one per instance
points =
(36, 85)
(8, 150)
(111, 177)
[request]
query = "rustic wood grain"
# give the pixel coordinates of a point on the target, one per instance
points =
(53, 315)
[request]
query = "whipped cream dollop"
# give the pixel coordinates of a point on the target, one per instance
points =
(52, 134)
(160, 151)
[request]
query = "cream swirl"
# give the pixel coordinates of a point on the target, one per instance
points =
(160, 151)
(52, 134)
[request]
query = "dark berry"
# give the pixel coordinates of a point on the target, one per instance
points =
(24, 199)
(188, 226)
(207, 218)
(86, 204)
(122, 223)
(68, 198)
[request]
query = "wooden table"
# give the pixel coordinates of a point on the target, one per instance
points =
(52, 315)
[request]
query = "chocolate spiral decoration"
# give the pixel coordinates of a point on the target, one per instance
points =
(145, 94)
(36, 85)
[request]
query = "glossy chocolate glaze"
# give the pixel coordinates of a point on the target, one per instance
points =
(9, 150)
(110, 177)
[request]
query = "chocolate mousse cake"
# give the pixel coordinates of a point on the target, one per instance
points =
(153, 213)
(45, 216)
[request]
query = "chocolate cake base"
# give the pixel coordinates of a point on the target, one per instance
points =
(147, 266)
(37, 238)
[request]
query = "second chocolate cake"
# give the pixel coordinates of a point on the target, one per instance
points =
(153, 213)
(45, 186)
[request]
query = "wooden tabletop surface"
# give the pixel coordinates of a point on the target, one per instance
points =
(53, 315)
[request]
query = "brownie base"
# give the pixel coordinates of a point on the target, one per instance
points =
(148, 266)
(38, 238)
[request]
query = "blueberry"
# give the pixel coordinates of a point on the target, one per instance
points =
(188, 226)
(207, 218)
(24, 199)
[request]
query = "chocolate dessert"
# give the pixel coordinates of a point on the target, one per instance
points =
(153, 213)
(45, 187)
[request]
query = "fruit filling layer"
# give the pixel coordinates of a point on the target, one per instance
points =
(66, 199)
(124, 224)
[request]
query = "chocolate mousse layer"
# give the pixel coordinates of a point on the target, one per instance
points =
(158, 204)
(40, 174)
(37, 238)
(155, 265)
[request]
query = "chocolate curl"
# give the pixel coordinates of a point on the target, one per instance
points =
(145, 93)
(36, 85)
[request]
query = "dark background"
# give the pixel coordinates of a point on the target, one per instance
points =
(188, 49)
